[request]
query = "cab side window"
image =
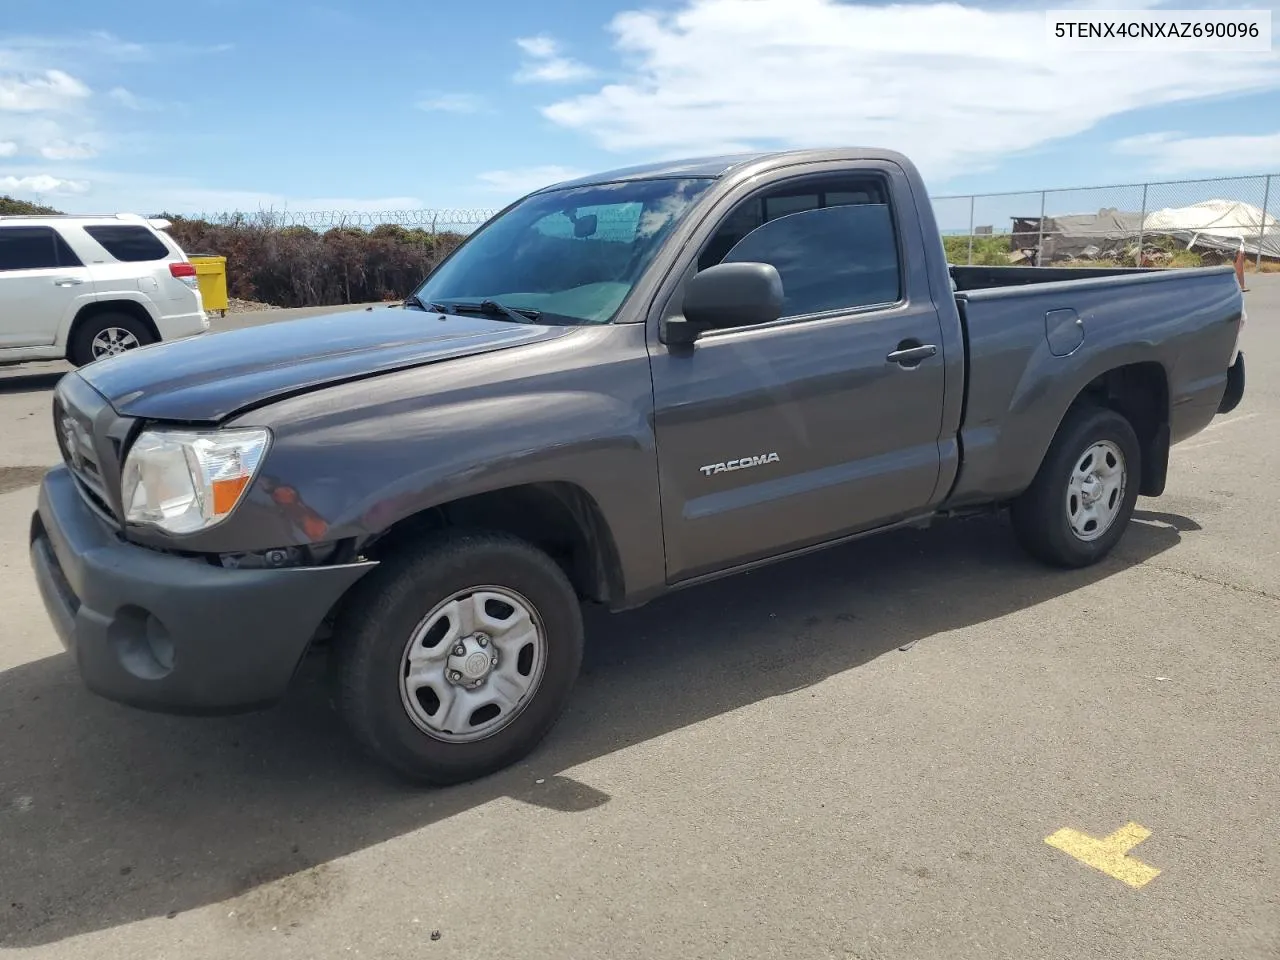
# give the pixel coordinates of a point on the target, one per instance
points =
(833, 243)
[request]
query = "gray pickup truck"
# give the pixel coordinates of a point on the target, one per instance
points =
(619, 386)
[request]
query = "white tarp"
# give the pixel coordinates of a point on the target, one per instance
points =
(1223, 225)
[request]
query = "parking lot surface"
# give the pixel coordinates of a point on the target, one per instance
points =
(922, 745)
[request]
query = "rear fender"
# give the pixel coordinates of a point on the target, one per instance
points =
(126, 301)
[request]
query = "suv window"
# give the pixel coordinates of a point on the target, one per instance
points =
(833, 244)
(130, 244)
(34, 248)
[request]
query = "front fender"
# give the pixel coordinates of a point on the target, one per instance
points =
(485, 445)
(349, 461)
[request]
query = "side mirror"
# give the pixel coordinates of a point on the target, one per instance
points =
(585, 226)
(727, 295)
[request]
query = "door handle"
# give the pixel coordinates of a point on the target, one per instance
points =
(911, 352)
(67, 282)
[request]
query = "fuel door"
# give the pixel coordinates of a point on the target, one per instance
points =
(1064, 330)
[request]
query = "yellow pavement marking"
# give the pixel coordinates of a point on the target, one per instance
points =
(1108, 854)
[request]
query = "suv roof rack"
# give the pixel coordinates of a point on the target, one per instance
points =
(158, 222)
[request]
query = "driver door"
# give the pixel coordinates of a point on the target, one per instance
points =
(775, 437)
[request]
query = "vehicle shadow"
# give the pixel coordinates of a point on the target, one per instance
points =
(110, 815)
(35, 379)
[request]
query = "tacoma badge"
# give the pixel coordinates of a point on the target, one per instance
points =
(741, 464)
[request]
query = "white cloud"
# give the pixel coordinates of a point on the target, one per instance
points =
(544, 62)
(42, 184)
(149, 197)
(360, 204)
(522, 180)
(130, 100)
(453, 103)
(49, 90)
(8, 148)
(97, 46)
(542, 47)
(955, 87)
(1175, 153)
(66, 150)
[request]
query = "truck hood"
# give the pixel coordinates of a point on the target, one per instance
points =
(210, 377)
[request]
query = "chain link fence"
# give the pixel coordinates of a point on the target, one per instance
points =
(1169, 223)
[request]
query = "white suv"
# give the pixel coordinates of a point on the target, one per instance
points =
(83, 288)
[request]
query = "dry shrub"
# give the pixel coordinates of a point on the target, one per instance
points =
(9, 206)
(299, 267)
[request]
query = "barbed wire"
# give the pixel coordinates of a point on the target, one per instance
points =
(431, 219)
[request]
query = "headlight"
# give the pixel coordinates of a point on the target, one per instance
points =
(187, 480)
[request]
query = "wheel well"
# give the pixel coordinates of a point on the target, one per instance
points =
(559, 518)
(129, 307)
(1139, 392)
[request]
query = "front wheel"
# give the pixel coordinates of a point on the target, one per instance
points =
(456, 658)
(1082, 498)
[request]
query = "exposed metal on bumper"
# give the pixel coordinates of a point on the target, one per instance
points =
(168, 633)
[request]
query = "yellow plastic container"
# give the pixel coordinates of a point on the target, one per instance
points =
(211, 275)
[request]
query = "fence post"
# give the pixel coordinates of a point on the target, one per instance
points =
(1142, 226)
(1262, 227)
(1040, 237)
(971, 200)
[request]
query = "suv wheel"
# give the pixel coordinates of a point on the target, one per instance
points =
(1078, 506)
(107, 335)
(456, 658)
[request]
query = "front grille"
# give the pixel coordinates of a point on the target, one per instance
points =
(74, 428)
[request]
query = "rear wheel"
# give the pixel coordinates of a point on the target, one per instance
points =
(107, 335)
(456, 658)
(1082, 498)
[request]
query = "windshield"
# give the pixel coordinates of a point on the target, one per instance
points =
(572, 255)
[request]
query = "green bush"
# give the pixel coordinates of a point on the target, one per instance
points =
(300, 267)
(988, 251)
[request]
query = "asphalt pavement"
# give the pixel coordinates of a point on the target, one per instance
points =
(919, 746)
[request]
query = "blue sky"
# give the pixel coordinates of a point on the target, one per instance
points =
(242, 104)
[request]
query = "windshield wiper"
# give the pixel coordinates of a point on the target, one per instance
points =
(492, 307)
(413, 300)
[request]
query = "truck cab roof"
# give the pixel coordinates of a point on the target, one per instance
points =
(715, 167)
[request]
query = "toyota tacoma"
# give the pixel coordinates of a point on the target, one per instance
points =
(619, 386)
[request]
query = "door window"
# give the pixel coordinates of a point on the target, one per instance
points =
(34, 248)
(833, 244)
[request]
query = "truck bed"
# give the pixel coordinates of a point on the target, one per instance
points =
(1031, 332)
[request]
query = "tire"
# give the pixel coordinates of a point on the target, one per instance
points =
(1043, 515)
(388, 707)
(119, 328)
